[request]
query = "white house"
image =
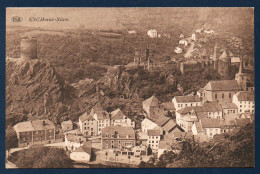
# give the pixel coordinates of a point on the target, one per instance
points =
(245, 101)
(153, 138)
(152, 33)
(185, 101)
(74, 141)
(119, 118)
(82, 153)
(209, 31)
(147, 124)
(101, 116)
(208, 126)
(178, 50)
(183, 42)
(193, 36)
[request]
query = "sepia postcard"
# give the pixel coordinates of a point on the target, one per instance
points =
(157, 87)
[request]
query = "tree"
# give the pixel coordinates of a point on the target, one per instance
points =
(11, 140)
(43, 157)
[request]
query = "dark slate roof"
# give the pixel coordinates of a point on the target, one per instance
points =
(212, 106)
(152, 101)
(211, 123)
(68, 122)
(168, 105)
(34, 125)
(121, 130)
(102, 115)
(245, 96)
(162, 120)
(229, 106)
(85, 148)
(222, 85)
(169, 125)
(85, 117)
(117, 114)
(97, 108)
(187, 99)
(153, 132)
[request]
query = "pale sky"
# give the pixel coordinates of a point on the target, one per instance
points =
(96, 18)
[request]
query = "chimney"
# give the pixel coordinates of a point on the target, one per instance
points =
(43, 123)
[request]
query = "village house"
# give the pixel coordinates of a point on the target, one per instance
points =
(88, 125)
(35, 132)
(153, 108)
(245, 101)
(101, 116)
(181, 102)
(221, 91)
(82, 153)
(229, 109)
(152, 33)
(183, 42)
(168, 108)
(73, 141)
(147, 124)
(228, 124)
(170, 127)
(166, 145)
(114, 137)
(119, 118)
(188, 115)
(178, 50)
(153, 139)
(187, 121)
(209, 126)
(67, 125)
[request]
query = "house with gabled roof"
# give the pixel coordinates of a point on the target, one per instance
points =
(153, 138)
(66, 125)
(153, 108)
(229, 109)
(119, 118)
(101, 116)
(88, 125)
(221, 91)
(245, 101)
(35, 132)
(117, 137)
(82, 153)
(185, 101)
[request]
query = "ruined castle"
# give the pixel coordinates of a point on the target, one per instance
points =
(28, 48)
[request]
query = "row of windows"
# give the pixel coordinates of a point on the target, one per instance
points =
(245, 106)
(153, 137)
(246, 102)
(181, 105)
(102, 125)
(88, 123)
(229, 95)
(153, 142)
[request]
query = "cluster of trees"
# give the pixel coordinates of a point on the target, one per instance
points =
(235, 149)
(41, 157)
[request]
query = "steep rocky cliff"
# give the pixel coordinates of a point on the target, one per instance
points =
(34, 88)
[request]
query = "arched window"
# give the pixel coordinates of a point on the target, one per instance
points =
(222, 95)
(216, 96)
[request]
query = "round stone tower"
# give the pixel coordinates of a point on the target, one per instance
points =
(29, 48)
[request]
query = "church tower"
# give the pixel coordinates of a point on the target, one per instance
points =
(241, 77)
